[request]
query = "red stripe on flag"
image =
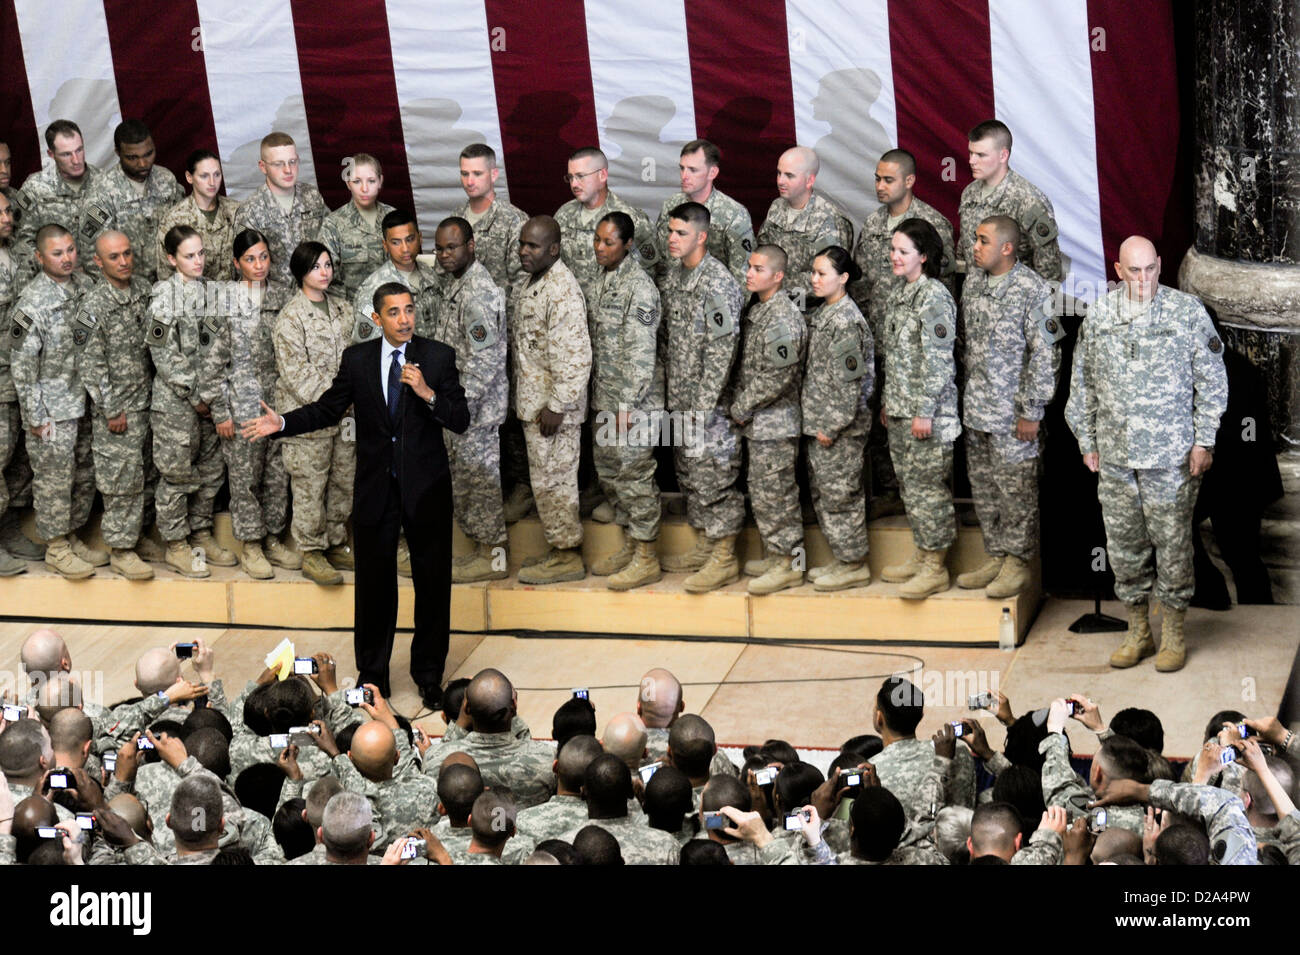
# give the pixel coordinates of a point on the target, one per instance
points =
(161, 76)
(349, 92)
(744, 97)
(943, 85)
(542, 72)
(1135, 102)
(17, 121)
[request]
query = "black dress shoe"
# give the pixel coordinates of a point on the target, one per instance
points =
(431, 696)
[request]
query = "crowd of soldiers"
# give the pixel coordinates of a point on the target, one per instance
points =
(592, 335)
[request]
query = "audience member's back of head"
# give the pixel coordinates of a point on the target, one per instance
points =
(878, 823)
(492, 819)
(70, 730)
(458, 786)
(704, 852)
(207, 717)
(255, 711)
(951, 830)
(795, 784)
(233, 855)
(258, 788)
(1260, 800)
(779, 751)
(1021, 746)
(1160, 768)
(561, 851)
(993, 829)
(292, 832)
(866, 745)
(692, 744)
(574, 758)
(1114, 842)
(667, 799)
(319, 794)
(212, 750)
(608, 786)
(575, 717)
(595, 846)
(1141, 726)
(30, 814)
(1215, 726)
(346, 824)
(1021, 787)
(491, 701)
(196, 810)
(1123, 758)
(289, 704)
(47, 852)
(900, 705)
(21, 747)
(453, 699)
(1182, 845)
(723, 790)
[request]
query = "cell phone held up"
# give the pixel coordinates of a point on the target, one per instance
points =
(358, 695)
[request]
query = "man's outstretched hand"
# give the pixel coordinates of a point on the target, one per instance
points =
(268, 423)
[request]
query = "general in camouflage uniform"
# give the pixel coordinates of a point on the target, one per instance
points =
(216, 225)
(55, 194)
(290, 214)
(355, 238)
(731, 231)
(1011, 363)
(1146, 393)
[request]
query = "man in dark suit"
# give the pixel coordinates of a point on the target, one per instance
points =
(405, 391)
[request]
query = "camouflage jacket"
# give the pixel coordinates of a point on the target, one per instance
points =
(1063, 787)
(1017, 197)
(840, 372)
(188, 342)
(284, 231)
(731, 233)
(456, 841)
(115, 366)
(550, 345)
(423, 283)
(251, 375)
(112, 202)
(218, 236)
(638, 843)
(765, 390)
(524, 766)
(13, 278)
(701, 315)
(308, 349)
(496, 240)
(903, 768)
(624, 339)
(46, 197)
(43, 349)
(409, 800)
(871, 253)
(578, 229)
(1232, 840)
(803, 233)
(553, 818)
(356, 246)
(656, 744)
(920, 375)
(470, 317)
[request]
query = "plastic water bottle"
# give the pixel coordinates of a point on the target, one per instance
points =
(1006, 631)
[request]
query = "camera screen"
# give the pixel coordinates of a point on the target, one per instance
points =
(765, 777)
(144, 743)
(14, 713)
(110, 762)
(304, 665)
(58, 780)
(958, 728)
(413, 849)
(794, 822)
(86, 820)
(279, 740)
(648, 771)
(852, 779)
(580, 693)
(47, 832)
(716, 820)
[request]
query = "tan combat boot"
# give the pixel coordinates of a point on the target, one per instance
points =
(643, 569)
(616, 561)
(319, 570)
(253, 562)
(1011, 580)
(480, 566)
(403, 558)
(780, 575)
(559, 566)
(761, 565)
(127, 563)
(900, 573)
(146, 549)
(843, 576)
(60, 558)
(181, 559)
(94, 556)
(1137, 644)
(519, 502)
(340, 557)
(981, 576)
(281, 554)
(719, 570)
(15, 541)
(821, 570)
(1173, 652)
(213, 553)
(932, 578)
(692, 560)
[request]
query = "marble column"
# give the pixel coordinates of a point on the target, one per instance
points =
(1245, 264)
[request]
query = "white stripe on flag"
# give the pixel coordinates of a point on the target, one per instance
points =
(645, 103)
(843, 83)
(251, 55)
(70, 72)
(442, 64)
(1042, 89)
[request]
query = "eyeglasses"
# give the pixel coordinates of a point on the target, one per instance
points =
(570, 177)
(281, 163)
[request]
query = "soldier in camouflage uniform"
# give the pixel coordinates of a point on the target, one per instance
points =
(998, 190)
(131, 197)
(551, 355)
(402, 242)
(43, 356)
(919, 403)
(187, 343)
(1063, 787)
(354, 232)
(116, 371)
(259, 484)
(207, 212)
(11, 430)
(309, 337)
(801, 222)
(626, 400)
(731, 231)
(904, 767)
(1011, 362)
(1146, 394)
(607, 786)
(55, 194)
(765, 407)
(895, 176)
(839, 376)
(286, 211)
(701, 306)
(470, 317)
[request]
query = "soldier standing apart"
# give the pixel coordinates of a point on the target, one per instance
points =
(1011, 363)
(116, 370)
(310, 334)
(471, 319)
(1146, 394)
(895, 178)
(354, 231)
(54, 194)
(731, 231)
(259, 484)
(132, 197)
(801, 222)
(185, 340)
(838, 380)
(920, 405)
(551, 352)
(53, 403)
(999, 190)
(701, 304)
(402, 243)
(286, 211)
(624, 394)
(207, 212)
(765, 407)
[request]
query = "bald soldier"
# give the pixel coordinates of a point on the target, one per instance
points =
(731, 237)
(567, 808)
(625, 737)
(1146, 393)
(801, 222)
(659, 704)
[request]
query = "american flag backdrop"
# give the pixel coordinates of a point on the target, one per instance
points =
(1088, 88)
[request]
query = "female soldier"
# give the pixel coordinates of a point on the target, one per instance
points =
(919, 406)
(207, 212)
(353, 232)
(838, 378)
(310, 335)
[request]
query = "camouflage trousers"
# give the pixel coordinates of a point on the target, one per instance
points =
(882, 478)
(259, 487)
(187, 453)
(322, 471)
(514, 451)
(11, 435)
(119, 475)
(475, 462)
(1148, 518)
(63, 477)
(838, 493)
(707, 470)
(774, 493)
(627, 476)
(553, 464)
(1005, 493)
(924, 470)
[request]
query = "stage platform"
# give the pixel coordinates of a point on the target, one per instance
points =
(875, 613)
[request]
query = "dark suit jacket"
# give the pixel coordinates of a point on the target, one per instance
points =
(414, 441)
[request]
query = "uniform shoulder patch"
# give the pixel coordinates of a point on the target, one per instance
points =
(159, 328)
(1040, 224)
(480, 332)
(718, 317)
(849, 362)
(779, 347)
(21, 201)
(649, 254)
(364, 329)
(646, 314)
(745, 237)
(21, 323)
(1052, 329)
(81, 329)
(97, 216)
